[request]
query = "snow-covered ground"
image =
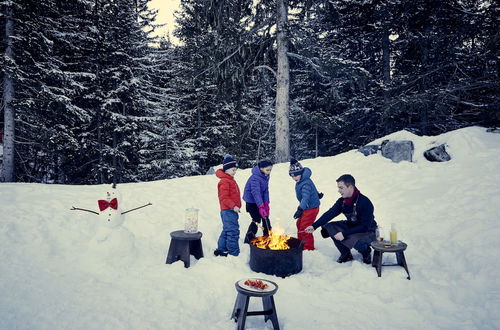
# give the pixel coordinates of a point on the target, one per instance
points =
(63, 269)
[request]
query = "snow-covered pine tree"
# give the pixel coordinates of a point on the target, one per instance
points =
(219, 45)
(121, 89)
(167, 148)
(445, 74)
(40, 97)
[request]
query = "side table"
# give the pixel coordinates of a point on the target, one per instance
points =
(182, 245)
(381, 247)
(240, 309)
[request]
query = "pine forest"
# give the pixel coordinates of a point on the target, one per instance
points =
(89, 94)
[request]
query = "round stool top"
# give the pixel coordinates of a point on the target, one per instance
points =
(386, 246)
(183, 236)
(249, 290)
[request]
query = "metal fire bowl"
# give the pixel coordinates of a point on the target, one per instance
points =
(281, 263)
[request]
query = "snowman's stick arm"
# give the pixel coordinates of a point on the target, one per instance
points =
(140, 207)
(77, 208)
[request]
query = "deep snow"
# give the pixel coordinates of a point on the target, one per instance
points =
(63, 269)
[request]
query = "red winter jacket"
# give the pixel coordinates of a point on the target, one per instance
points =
(229, 193)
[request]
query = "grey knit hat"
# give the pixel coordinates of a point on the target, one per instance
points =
(295, 168)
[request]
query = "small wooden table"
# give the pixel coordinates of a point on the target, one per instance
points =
(240, 309)
(384, 246)
(182, 245)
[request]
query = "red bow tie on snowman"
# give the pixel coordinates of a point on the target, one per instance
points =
(103, 204)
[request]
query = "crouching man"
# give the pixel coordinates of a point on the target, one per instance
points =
(358, 230)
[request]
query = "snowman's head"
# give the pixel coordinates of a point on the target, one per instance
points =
(110, 195)
(113, 192)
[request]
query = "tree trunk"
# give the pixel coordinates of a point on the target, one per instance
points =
(97, 68)
(386, 74)
(115, 162)
(282, 151)
(316, 141)
(426, 105)
(8, 96)
(386, 57)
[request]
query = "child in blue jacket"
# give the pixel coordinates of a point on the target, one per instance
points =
(308, 197)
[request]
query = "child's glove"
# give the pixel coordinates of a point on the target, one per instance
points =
(262, 211)
(298, 213)
(266, 206)
(320, 195)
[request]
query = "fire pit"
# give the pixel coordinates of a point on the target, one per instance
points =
(282, 259)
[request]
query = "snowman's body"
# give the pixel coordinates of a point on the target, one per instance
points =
(112, 243)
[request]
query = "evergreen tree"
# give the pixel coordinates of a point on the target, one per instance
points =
(121, 89)
(167, 148)
(219, 40)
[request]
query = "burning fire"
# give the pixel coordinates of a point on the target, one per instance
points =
(275, 241)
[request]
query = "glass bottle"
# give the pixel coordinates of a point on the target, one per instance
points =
(394, 234)
(379, 234)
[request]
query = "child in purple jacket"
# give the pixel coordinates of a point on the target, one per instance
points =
(256, 197)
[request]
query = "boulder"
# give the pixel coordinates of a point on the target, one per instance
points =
(437, 154)
(397, 150)
(369, 149)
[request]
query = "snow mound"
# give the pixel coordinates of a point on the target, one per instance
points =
(63, 269)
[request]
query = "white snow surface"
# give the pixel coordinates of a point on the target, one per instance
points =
(63, 269)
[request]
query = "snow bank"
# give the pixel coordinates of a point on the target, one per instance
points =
(63, 269)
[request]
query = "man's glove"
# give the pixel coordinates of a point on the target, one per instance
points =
(298, 213)
(320, 195)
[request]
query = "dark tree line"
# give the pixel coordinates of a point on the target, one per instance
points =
(89, 96)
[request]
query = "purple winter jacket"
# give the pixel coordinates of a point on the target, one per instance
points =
(257, 187)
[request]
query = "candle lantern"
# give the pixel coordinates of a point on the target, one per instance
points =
(191, 221)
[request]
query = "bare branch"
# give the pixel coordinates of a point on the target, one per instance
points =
(79, 209)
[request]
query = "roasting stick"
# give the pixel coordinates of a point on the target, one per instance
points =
(261, 227)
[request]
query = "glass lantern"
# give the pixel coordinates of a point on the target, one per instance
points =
(191, 221)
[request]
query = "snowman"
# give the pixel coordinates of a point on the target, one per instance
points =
(110, 211)
(112, 240)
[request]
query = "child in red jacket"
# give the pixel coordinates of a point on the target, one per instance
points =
(230, 204)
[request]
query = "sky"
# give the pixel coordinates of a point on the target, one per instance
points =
(166, 10)
(70, 269)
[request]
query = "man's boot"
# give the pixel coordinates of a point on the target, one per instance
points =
(367, 256)
(345, 258)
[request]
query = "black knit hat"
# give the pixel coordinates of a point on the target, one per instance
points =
(229, 162)
(295, 168)
(264, 163)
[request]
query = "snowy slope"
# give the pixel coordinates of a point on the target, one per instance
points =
(59, 271)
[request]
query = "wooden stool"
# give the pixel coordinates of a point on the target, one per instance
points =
(182, 245)
(240, 310)
(381, 247)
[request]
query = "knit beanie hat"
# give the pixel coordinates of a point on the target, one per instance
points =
(264, 163)
(295, 168)
(228, 162)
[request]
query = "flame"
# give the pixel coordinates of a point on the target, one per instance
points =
(275, 241)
